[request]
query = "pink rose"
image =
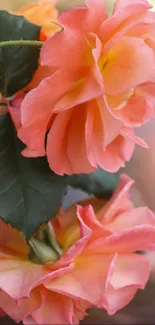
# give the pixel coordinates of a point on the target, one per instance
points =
(89, 258)
(103, 87)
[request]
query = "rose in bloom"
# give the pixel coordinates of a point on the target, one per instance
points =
(103, 87)
(89, 258)
(42, 12)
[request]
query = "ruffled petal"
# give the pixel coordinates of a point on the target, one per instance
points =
(12, 242)
(72, 41)
(125, 280)
(55, 309)
(101, 129)
(115, 155)
(86, 19)
(66, 148)
(138, 5)
(119, 203)
(87, 279)
(27, 274)
(19, 310)
(126, 274)
(134, 112)
(125, 14)
(129, 240)
(131, 72)
(139, 216)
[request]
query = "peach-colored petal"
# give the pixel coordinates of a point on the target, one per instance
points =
(88, 216)
(94, 132)
(126, 274)
(12, 242)
(119, 203)
(19, 310)
(135, 112)
(15, 109)
(125, 280)
(13, 271)
(101, 129)
(129, 134)
(27, 274)
(55, 309)
(139, 216)
(129, 240)
(42, 100)
(40, 74)
(82, 92)
(131, 72)
(34, 136)
(57, 145)
(128, 13)
(39, 100)
(87, 280)
(63, 152)
(116, 153)
(73, 246)
(147, 90)
(85, 19)
(76, 134)
(140, 5)
(115, 300)
(80, 308)
(27, 152)
(71, 42)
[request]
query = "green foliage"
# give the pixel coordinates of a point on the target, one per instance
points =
(30, 193)
(17, 63)
(100, 183)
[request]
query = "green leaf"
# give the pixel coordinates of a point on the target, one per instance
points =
(100, 184)
(17, 63)
(30, 193)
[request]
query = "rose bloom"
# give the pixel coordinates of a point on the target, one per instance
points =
(103, 86)
(42, 12)
(85, 257)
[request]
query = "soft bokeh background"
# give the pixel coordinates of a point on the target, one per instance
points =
(142, 169)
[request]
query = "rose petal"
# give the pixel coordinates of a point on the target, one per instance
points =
(131, 72)
(119, 203)
(20, 310)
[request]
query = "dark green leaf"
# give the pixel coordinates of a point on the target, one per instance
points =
(30, 193)
(17, 63)
(100, 183)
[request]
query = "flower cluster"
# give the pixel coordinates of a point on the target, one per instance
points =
(85, 257)
(96, 84)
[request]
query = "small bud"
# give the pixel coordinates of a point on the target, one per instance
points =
(43, 252)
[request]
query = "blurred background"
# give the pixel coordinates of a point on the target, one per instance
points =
(142, 169)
